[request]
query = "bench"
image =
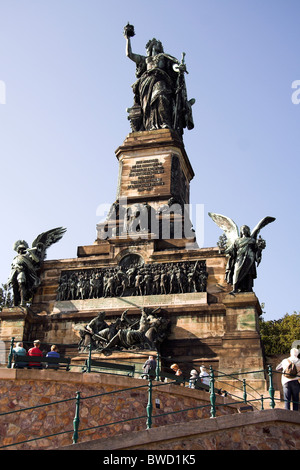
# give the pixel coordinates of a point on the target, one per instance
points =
(244, 409)
(178, 379)
(201, 386)
(40, 362)
(100, 366)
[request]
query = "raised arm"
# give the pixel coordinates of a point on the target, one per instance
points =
(135, 57)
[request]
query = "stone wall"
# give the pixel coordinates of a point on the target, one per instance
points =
(258, 430)
(261, 430)
(29, 388)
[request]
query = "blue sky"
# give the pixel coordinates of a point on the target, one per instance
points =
(68, 84)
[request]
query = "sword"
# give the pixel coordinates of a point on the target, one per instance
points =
(177, 69)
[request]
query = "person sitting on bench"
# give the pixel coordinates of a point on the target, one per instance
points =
(19, 350)
(35, 351)
(53, 353)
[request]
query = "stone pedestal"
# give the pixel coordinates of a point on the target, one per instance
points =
(153, 189)
(15, 322)
(153, 165)
(241, 343)
(207, 325)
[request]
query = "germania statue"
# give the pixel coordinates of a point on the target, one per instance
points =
(160, 96)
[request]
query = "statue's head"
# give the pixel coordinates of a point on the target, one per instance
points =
(245, 231)
(20, 246)
(21, 249)
(154, 46)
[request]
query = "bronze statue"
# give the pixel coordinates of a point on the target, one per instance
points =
(134, 280)
(244, 250)
(160, 97)
(124, 333)
(98, 333)
(24, 276)
(128, 337)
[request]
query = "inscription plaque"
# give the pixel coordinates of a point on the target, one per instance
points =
(143, 175)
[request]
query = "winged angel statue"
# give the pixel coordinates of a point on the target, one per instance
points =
(244, 250)
(24, 276)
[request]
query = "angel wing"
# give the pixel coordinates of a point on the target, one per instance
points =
(46, 239)
(261, 224)
(227, 225)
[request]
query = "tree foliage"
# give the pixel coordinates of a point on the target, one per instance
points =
(278, 335)
(6, 299)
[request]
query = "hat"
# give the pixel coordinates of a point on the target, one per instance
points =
(174, 366)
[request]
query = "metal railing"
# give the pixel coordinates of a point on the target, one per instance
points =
(8, 352)
(216, 377)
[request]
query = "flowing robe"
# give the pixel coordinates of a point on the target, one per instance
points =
(241, 269)
(155, 91)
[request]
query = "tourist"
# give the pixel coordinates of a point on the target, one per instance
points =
(204, 376)
(53, 352)
(149, 368)
(176, 369)
(290, 383)
(193, 378)
(35, 351)
(19, 350)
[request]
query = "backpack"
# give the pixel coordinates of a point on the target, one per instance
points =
(291, 371)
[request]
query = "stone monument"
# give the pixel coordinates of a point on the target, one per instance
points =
(144, 284)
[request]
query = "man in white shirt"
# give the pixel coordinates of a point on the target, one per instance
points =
(290, 384)
(205, 377)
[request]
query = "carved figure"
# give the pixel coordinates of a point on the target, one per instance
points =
(89, 333)
(244, 250)
(62, 291)
(160, 97)
(138, 284)
(24, 276)
(147, 332)
(122, 282)
(97, 323)
(163, 282)
(158, 330)
(202, 281)
(172, 278)
(147, 283)
(142, 279)
(72, 286)
(110, 286)
(150, 332)
(128, 337)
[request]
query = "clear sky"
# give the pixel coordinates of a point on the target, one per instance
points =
(65, 84)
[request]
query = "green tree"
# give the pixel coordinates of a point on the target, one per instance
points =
(278, 335)
(6, 299)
